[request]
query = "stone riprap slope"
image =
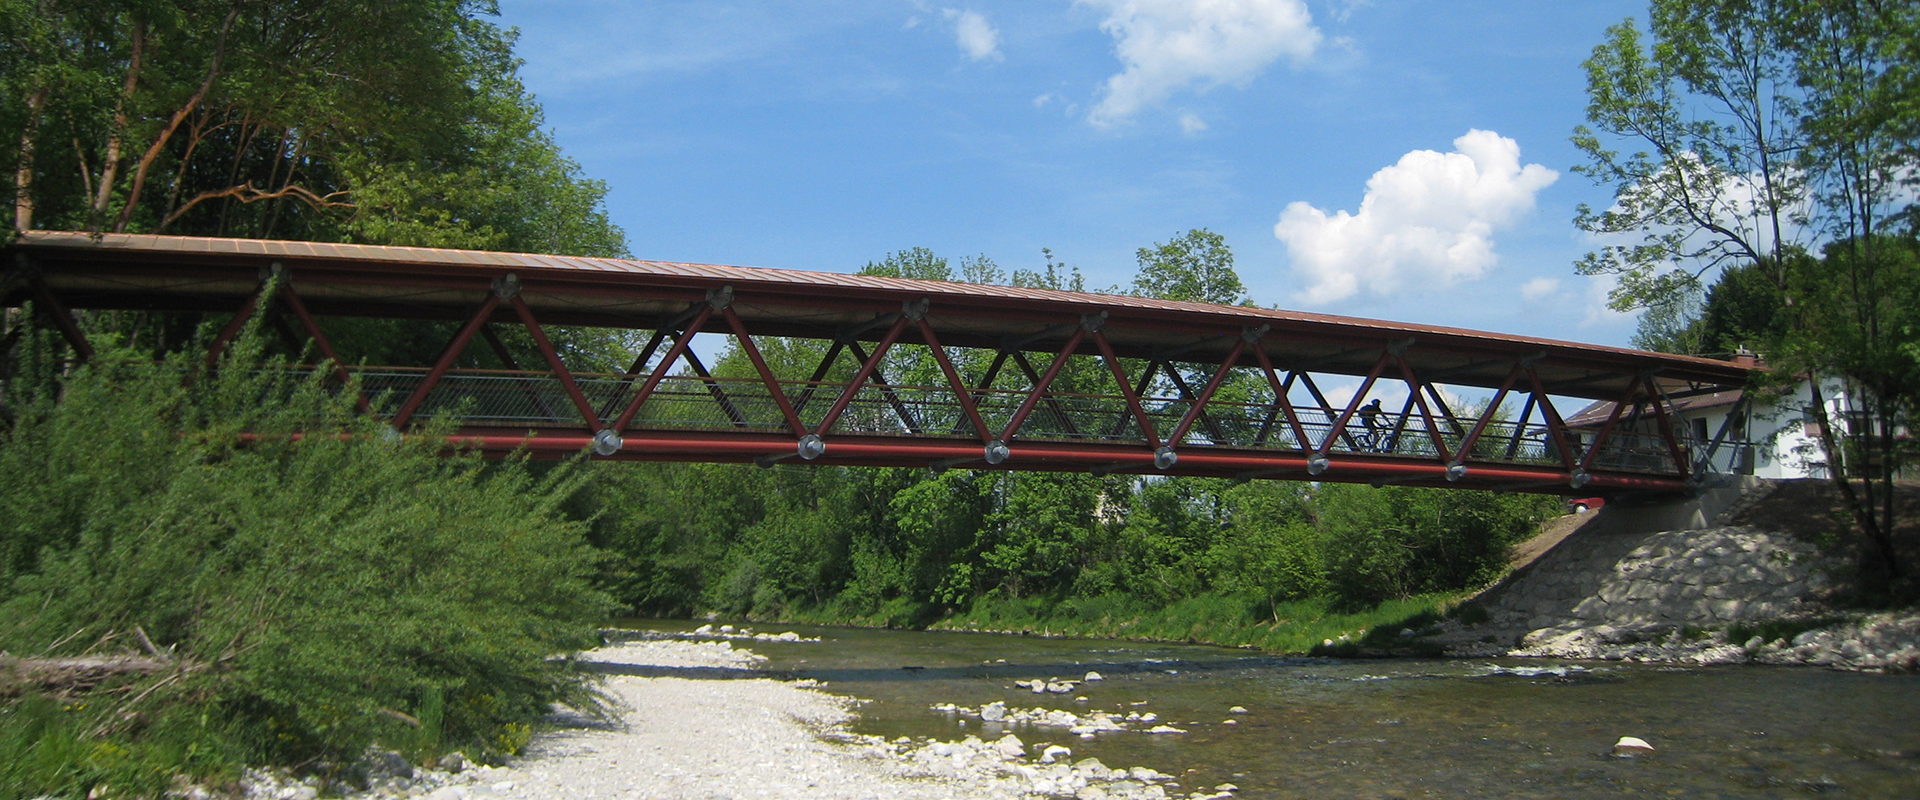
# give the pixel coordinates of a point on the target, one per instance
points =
(1880, 642)
(1609, 591)
(1626, 585)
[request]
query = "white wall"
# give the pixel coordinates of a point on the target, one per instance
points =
(1782, 446)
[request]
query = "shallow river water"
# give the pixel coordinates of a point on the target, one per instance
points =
(1318, 728)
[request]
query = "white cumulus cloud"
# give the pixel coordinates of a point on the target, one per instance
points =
(1538, 288)
(1427, 220)
(1169, 45)
(976, 36)
(1191, 123)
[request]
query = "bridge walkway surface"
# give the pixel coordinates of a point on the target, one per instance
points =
(922, 373)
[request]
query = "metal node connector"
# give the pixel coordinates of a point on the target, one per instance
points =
(812, 446)
(606, 442)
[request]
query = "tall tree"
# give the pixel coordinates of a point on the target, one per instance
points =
(399, 121)
(1195, 266)
(1775, 128)
(1860, 311)
(1711, 98)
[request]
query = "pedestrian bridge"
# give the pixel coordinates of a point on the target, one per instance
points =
(919, 373)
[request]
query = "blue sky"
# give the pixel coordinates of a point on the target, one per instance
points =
(1394, 159)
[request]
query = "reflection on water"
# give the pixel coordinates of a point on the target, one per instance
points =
(1397, 729)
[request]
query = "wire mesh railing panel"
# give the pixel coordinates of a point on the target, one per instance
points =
(685, 402)
(689, 402)
(1635, 452)
(901, 410)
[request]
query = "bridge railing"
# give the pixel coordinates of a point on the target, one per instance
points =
(492, 398)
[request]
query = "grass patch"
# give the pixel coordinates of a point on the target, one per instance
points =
(1231, 620)
(1221, 619)
(51, 747)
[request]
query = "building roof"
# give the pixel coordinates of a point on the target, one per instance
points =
(1596, 414)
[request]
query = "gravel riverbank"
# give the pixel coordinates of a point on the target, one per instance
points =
(696, 721)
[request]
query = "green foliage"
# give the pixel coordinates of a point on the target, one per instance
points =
(317, 585)
(50, 748)
(1196, 266)
(1398, 541)
(1215, 618)
(1710, 95)
(340, 120)
(1774, 127)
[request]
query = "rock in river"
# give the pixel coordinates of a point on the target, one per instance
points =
(1631, 747)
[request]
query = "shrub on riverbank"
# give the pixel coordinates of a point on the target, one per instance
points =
(307, 598)
(905, 548)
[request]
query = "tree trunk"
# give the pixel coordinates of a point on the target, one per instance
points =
(110, 165)
(1878, 536)
(23, 176)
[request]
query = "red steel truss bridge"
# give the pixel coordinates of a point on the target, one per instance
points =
(1189, 388)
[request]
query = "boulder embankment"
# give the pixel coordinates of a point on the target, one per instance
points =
(1750, 581)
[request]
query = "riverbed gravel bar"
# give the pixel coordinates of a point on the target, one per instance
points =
(713, 734)
(694, 721)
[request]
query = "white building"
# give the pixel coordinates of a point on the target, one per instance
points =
(1768, 437)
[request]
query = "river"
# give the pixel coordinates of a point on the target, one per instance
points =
(1319, 728)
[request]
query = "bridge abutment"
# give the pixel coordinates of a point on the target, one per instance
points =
(1622, 583)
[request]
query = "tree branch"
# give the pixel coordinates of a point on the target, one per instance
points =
(245, 193)
(173, 124)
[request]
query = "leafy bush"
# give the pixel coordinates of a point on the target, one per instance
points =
(326, 592)
(1392, 542)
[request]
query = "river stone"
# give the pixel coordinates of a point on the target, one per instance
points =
(387, 763)
(1010, 746)
(1092, 768)
(1095, 676)
(1237, 710)
(1631, 747)
(994, 711)
(1054, 753)
(1147, 774)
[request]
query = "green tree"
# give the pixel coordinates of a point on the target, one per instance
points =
(1711, 97)
(1196, 266)
(339, 120)
(1773, 124)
